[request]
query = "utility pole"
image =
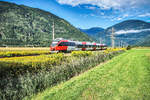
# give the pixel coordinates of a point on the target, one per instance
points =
(100, 39)
(3, 35)
(53, 29)
(112, 38)
(121, 44)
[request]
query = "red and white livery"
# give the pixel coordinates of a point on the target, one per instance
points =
(64, 45)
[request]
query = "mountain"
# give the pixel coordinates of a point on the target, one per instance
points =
(130, 32)
(93, 32)
(144, 42)
(25, 26)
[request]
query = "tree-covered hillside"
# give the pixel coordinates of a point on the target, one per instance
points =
(25, 26)
(145, 42)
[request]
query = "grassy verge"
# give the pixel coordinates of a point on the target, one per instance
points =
(125, 77)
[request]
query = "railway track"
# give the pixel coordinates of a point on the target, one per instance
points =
(66, 54)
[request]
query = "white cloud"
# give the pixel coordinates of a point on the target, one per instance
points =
(144, 15)
(102, 13)
(119, 18)
(125, 15)
(92, 14)
(106, 4)
(130, 31)
(90, 7)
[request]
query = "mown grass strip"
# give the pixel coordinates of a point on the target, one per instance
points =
(125, 77)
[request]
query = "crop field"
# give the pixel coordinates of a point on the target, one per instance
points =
(24, 76)
(16, 51)
(125, 77)
(23, 48)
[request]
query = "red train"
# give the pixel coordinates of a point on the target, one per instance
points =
(63, 45)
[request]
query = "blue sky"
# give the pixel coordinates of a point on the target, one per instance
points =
(93, 13)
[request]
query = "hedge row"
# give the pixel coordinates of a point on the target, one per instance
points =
(15, 66)
(109, 50)
(81, 53)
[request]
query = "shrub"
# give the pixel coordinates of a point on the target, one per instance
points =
(81, 53)
(109, 50)
(129, 47)
(19, 65)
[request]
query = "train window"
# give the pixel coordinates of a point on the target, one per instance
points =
(54, 44)
(88, 46)
(71, 44)
(82, 46)
(67, 44)
(62, 44)
(94, 46)
(79, 45)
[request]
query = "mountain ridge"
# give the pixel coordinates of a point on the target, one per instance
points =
(92, 32)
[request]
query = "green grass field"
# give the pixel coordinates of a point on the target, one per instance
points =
(125, 77)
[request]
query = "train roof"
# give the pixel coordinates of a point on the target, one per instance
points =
(77, 42)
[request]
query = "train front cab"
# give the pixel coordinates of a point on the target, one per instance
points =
(53, 47)
(62, 46)
(65, 46)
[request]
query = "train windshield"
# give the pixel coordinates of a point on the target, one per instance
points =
(54, 44)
